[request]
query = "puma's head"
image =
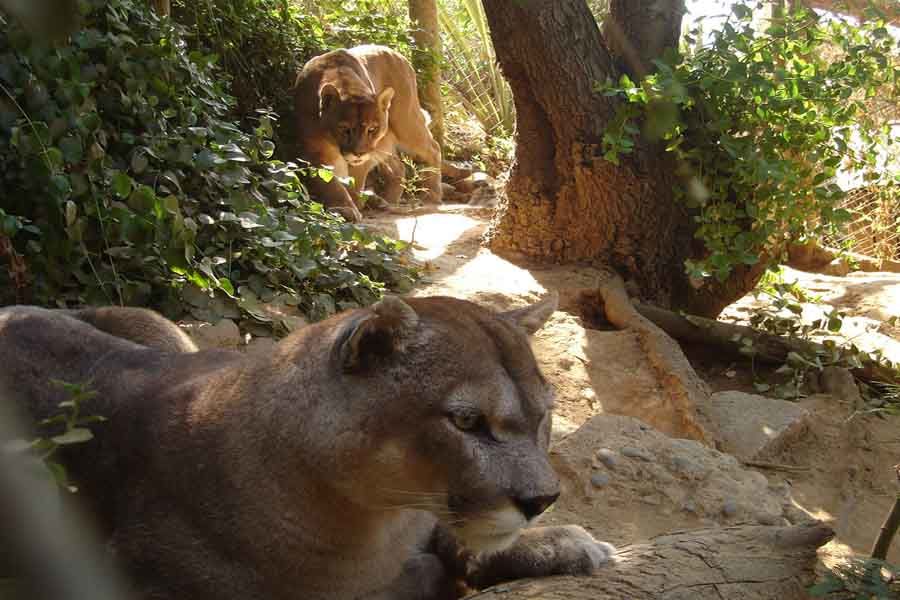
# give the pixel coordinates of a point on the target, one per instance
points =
(450, 414)
(356, 121)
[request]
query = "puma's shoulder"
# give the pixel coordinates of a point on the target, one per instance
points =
(139, 325)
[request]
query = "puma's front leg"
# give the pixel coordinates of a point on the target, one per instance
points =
(424, 577)
(333, 194)
(414, 138)
(392, 171)
(539, 552)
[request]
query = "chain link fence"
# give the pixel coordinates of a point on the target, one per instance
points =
(874, 229)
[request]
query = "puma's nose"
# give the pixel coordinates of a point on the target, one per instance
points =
(532, 507)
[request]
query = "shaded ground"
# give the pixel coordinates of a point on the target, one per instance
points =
(841, 465)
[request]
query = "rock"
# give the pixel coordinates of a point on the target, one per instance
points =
(484, 196)
(560, 428)
(223, 334)
(769, 519)
(809, 257)
(289, 316)
(665, 484)
(838, 268)
(840, 383)
(683, 466)
(607, 457)
(632, 452)
(754, 427)
(472, 182)
(455, 171)
(599, 480)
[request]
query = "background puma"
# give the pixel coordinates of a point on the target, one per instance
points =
(355, 109)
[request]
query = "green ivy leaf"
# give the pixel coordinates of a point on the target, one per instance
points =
(121, 184)
(76, 435)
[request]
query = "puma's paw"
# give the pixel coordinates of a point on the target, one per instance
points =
(582, 551)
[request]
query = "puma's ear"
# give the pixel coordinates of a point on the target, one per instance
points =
(380, 333)
(384, 98)
(328, 94)
(531, 318)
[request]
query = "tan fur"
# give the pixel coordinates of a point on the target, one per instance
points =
(345, 465)
(355, 109)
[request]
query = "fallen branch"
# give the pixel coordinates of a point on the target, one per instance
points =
(889, 527)
(766, 347)
(746, 562)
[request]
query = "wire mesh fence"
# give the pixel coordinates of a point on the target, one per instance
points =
(874, 229)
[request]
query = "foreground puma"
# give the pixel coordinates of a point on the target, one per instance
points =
(347, 465)
(354, 109)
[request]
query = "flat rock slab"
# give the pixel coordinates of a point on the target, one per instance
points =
(624, 481)
(756, 427)
(223, 334)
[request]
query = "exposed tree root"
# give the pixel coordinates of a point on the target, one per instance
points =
(687, 394)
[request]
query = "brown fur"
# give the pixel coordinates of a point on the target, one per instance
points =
(355, 108)
(138, 325)
(346, 465)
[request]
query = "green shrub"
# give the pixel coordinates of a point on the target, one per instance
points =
(759, 124)
(259, 44)
(123, 181)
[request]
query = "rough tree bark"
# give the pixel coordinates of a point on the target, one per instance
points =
(162, 7)
(423, 14)
(565, 203)
(743, 562)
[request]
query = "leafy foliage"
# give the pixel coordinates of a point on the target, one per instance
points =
(260, 44)
(759, 124)
(71, 427)
(124, 181)
(859, 579)
(782, 315)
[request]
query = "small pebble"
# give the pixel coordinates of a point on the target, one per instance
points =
(599, 480)
(652, 500)
(690, 506)
(681, 465)
(607, 457)
(632, 452)
(729, 508)
(768, 519)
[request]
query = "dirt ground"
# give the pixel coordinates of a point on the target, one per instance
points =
(625, 481)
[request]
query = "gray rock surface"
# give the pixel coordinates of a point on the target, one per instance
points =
(755, 427)
(665, 484)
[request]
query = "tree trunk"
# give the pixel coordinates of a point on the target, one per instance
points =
(734, 563)
(565, 203)
(423, 14)
(162, 7)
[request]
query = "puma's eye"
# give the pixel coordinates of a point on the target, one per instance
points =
(373, 130)
(467, 421)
